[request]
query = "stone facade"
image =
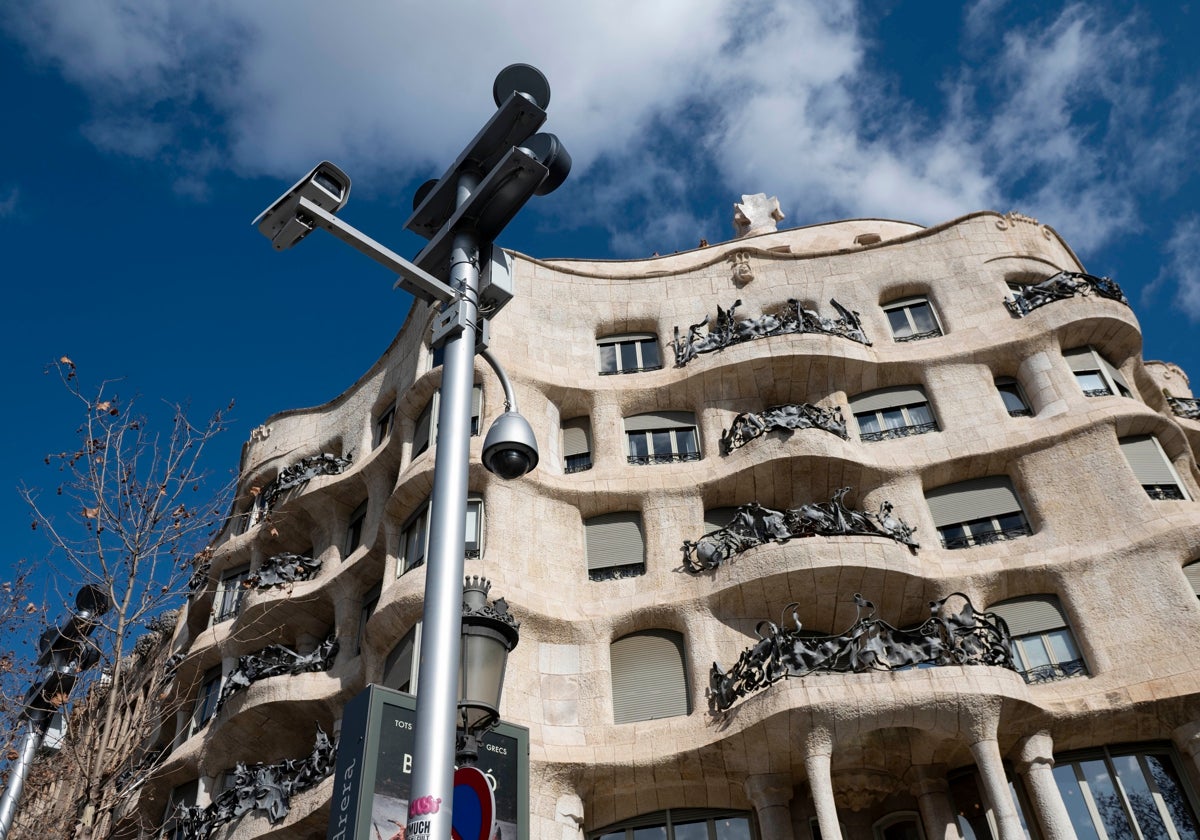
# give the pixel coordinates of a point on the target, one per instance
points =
(876, 752)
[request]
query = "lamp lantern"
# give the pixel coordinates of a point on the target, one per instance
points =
(489, 633)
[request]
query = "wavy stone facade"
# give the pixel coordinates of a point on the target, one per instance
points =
(893, 752)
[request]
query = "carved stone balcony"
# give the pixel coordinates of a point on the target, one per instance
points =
(1065, 284)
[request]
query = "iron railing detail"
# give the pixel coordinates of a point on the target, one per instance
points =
(1020, 412)
(577, 463)
(663, 458)
(727, 330)
(617, 572)
(1097, 392)
(297, 475)
(1185, 407)
(753, 525)
(258, 787)
(898, 432)
(631, 370)
(788, 418)
(1163, 492)
(1055, 671)
(273, 661)
(954, 634)
(282, 568)
(1065, 284)
(936, 332)
(986, 537)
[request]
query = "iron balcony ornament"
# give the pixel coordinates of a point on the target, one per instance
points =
(754, 525)
(749, 425)
(954, 634)
(273, 661)
(297, 475)
(727, 330)
(1185, 407)
(259, 787)
(286, 567)
(1061, 286)
(898, 432)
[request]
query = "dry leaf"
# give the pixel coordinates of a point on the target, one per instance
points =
(91, 513)
(64, 360)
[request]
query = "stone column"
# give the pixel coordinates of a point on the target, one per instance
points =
(933, 801)
(820, 782)
(995, 789)
(770, 793)
(1035, 764)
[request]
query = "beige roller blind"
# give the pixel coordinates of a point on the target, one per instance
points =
(577, 437)
(888, 398)
(615, 339)
(1192, 573)
(1032, 614)
(660, 420)
(717, 518)
(615, 539)
(649, 679)
(1147, 459)
(975, 499)
(1081, 359)
(421, 432)
(477, 401)
(1114, 373)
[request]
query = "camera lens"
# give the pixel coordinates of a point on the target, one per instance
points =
(509, 463)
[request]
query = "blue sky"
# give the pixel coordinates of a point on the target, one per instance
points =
(143, 137)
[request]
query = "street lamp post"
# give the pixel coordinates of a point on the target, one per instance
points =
(460, 214)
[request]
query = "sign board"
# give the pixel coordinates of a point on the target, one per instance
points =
(374, 770)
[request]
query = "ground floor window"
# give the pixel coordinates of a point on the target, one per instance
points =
(1118, 794)
(682, 824)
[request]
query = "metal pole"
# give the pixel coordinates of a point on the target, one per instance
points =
(432, 795)
(16, 778)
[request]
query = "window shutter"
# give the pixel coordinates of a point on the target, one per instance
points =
(1032, 614)
(421, 432)
(1114, 373)
(718, 518)
(660, 420)
(1149, 463)
(1081, 359)
(649, 679)
(614, 539)
(888, 398)
(476, 400)
(975, 499)
(576, 435)
(616, 339)
(1192, 573)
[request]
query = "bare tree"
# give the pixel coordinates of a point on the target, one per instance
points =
(132, 515)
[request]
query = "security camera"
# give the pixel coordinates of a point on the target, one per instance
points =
(510, 449)
(285, 224)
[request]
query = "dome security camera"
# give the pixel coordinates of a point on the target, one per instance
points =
(510, 449)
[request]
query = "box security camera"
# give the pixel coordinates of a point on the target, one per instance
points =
(326, 186)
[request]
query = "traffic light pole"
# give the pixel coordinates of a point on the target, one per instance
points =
(431, 802)
(35, 726)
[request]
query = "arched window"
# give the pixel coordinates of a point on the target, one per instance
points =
(649, 677)
(977, 512)
(1043, 647)
(615, 545)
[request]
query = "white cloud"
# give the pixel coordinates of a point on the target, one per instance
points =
(1183, 266)
(8, 203)
(1054, 119)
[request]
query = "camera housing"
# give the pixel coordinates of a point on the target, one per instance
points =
(510, 448)
(284, 224)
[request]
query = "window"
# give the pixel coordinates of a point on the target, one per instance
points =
(893, 412)
(615, 547)
(1013, 397)
(912, 319)
(649, 678)
(414, 539)
(1043, 647)
(425, 432)
(354, 531)
(977, 512)
(1192, 572)
(206, 699)
(662, 438)
(682, 824)
(1154, 472)
(383, 427)
(628, 353)
(1107, 792)
(184, 796)
(902, 825)
(1096, 377)
(400, 667)
(230, 590)
(577, 445)
(370, 602)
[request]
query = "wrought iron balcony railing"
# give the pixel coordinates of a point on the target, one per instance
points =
(898, 432)
(1097, 392)
(1055, 671)
(617, 572)
(1163, 492)
(1065, 284)
(986, 537)
(920, 336)
(577, 463)
(631, 370)
(1185, 407)
(666, 458)
(1020, 412)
